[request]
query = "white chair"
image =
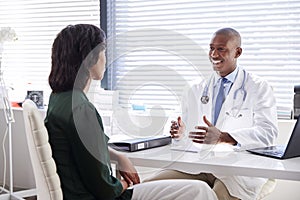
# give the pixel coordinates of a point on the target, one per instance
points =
(44, 168)
(267, 188)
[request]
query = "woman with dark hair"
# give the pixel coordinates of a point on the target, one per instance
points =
(76, 134)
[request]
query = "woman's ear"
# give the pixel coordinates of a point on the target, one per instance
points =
(238, 52)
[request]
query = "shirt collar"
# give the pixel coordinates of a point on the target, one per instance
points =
(230, 77)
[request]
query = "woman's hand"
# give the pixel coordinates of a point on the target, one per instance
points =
(128, 171)
(124, 185)
(125, 167)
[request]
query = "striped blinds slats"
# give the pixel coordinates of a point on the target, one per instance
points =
(158, 46)
(28, 60)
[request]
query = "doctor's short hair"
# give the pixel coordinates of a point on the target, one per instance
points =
(230, 32)
(75, 49)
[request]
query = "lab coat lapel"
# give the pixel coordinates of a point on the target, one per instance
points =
(210, 105)
(207, 109)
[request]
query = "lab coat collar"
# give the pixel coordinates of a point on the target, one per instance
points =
(230, 77)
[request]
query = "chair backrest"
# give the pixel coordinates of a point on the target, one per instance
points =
(44, 168)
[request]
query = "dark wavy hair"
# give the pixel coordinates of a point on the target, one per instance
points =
(75, 49)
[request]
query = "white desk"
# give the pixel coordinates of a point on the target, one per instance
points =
(222, 163)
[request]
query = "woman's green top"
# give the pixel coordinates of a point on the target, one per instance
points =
(79, 148)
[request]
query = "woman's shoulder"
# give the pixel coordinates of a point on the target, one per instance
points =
(79, 99)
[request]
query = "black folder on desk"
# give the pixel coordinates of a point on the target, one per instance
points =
(137, 144)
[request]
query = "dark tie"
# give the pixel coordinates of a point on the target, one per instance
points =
(219, 100)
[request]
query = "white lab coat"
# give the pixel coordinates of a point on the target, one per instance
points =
(255, 126)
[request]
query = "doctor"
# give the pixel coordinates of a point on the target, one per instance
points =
(247, 116)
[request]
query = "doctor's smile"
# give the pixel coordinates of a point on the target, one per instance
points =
(216, 62)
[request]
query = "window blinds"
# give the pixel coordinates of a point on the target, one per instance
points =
(36, 23)
(156, 47)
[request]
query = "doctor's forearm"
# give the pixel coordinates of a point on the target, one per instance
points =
(226, 138)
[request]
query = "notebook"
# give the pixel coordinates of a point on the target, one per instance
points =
(282, 151)
(137, 144)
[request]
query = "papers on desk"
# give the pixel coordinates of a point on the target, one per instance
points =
(196, 148)
(186, 148)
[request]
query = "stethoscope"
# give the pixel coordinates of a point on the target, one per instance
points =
(205, 98)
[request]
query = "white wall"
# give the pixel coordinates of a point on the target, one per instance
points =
(285, 190)
(22, 168)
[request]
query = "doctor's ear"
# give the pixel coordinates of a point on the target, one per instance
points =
(238, 52)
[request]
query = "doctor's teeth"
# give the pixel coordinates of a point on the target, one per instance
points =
(216, 61)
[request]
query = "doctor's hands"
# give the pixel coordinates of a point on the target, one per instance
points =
(205, 134)
(177, 128)
(210, 135)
